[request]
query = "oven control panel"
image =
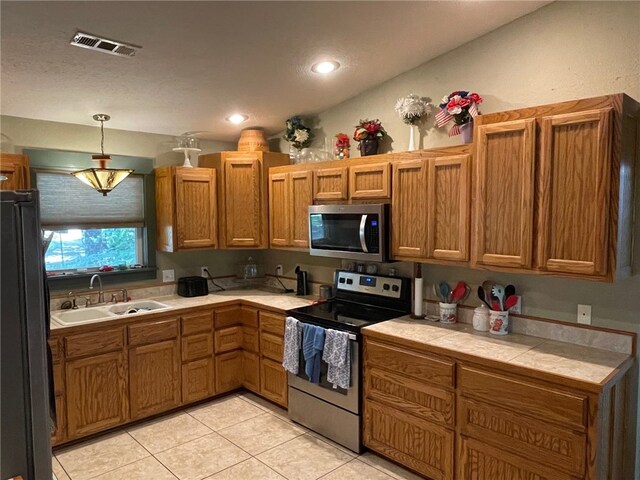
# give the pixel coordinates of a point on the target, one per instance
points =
(371, 284)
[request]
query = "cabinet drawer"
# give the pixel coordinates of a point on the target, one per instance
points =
(227, 316)
(271, 322)
(533, 400)
(197, 346)
(90, 343)
(229, 338)
(58, 379)
(197, 323)
(250, 339)
(54, 345)
(249, 316)
(557, 447)
(410, 441)
(411, 396)
(272, 346)
(412, 364)
(152, 332)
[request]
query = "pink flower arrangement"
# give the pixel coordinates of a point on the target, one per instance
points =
(461, 107)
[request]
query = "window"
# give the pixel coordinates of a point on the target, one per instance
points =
(90, 230)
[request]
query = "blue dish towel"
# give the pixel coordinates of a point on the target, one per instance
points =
(312, 346)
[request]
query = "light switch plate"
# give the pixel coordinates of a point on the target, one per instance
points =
(584, 314)
(168, 275)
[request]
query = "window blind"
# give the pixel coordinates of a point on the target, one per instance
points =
(66, 202)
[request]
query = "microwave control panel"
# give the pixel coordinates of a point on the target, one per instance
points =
(371, 284)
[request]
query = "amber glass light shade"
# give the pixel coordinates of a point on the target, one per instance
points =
(102, 179)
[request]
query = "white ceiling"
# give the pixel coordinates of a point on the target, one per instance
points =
(202, 61)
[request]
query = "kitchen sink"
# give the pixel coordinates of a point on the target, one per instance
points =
(83, 315)
(141, 306)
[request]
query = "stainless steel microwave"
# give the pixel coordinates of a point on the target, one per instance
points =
(357, 232)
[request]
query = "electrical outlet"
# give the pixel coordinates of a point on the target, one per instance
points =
(203, 273)
(168, 276)
(584, 314)
(279, 270)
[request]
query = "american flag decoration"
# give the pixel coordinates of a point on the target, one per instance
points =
(461, 106)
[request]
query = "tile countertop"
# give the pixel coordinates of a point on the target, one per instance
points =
(584, 364)
(268, 299)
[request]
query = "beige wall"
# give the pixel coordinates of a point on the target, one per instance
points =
(563, 51)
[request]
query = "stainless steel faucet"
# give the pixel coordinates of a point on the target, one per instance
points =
(100, 290)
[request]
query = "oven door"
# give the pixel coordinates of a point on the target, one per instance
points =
(347, 399)
(348, 231)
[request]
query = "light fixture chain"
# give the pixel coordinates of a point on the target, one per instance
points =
(102, 136)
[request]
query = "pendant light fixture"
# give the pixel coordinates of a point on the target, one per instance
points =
(103, 179)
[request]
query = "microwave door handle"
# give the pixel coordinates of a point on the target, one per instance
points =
(363, 242)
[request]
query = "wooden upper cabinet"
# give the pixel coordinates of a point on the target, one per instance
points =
(448, 200)
(575, 188)
(196, 214)
(243, 191)
(290, 195)
(409, 209)
(370, 181)
(186, 208)
(279, 210)
(16, 168)
(504, 194)
(330, 184)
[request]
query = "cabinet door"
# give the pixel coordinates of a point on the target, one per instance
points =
(504, 179)
(16, 168)
(575, 178)
(448, 208)
(197, 380)
(251, 370)
(229, 371)
(242, 202)
(273, 381)
(96, 393)
(370, 181)
(196, 217)
(416, 443)
(154, 378)
(229, 338)
(301, 197)
(330, 184)
(279, 209)
(477, 460)
(59, 435)
(409, 209)
(165, 210)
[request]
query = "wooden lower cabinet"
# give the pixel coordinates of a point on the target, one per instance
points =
(97, 393)
(154, 378)
(409, 440)
(229, 371)
(60, 432)
(197, 380)
(273, 379)
(251, 371)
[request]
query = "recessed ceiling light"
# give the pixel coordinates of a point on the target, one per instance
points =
(237, 118)
(325, 67)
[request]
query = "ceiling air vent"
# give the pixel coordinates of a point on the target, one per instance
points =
(92, 42)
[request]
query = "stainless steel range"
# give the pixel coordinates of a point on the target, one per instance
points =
(360, 300)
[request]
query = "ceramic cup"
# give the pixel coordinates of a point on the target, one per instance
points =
(499, 322)
(448, 312)
(481, 319)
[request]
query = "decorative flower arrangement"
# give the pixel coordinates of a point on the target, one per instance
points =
(296, 133)
(342, 146)
(412, 108)
(461, 107)
(367, 129)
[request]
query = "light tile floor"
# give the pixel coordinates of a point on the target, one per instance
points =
(239, 437)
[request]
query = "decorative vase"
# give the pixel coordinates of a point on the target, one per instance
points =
(369, 146)
(412, 142)
(342, 153)
(466, 131)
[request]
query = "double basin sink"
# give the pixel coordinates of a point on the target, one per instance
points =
(101, 313)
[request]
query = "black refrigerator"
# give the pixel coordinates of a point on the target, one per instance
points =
(26, 413)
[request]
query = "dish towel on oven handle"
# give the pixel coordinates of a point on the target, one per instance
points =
(312, 345)
(337, 354)
(292, 345)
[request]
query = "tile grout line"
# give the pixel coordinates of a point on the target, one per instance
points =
(61, 466)
(152, 455)
(339, 466)
(271, 468)
(393, 475)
